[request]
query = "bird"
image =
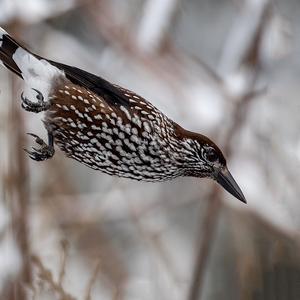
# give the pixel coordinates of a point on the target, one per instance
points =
(107, 127)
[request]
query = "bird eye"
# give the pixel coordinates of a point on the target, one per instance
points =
(211, 155)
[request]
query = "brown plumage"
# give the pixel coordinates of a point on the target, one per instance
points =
(110, 128)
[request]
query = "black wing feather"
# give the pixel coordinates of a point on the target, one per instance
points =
(111, 94)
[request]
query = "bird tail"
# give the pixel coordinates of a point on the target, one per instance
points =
(37, 72)
(8, 47)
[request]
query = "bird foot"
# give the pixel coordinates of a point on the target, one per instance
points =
(43, 152)
(40, 105)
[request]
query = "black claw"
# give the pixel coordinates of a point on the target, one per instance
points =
(32, 134)
(39, 154)
(39, 95)
(36, 107)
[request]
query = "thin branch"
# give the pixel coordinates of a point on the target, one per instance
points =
(205, 238)
(46, 276)
(92, 280)
(62, 272)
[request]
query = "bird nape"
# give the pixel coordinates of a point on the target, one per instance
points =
(107, 127)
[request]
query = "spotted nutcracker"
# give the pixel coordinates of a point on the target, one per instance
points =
(107, 127)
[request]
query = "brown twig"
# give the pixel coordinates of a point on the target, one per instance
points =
(205, 239)
(46, 276)
(92, 280)
(62, 272)
(17, 192)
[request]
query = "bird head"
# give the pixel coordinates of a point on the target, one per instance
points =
(207, 160)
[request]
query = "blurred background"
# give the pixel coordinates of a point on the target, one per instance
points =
(229, 69)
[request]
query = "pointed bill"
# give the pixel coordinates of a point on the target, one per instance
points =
(225, 179)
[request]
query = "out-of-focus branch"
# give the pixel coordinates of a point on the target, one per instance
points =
(92, 281)
(172, 71)
(62, 272)
(156, 21)
(205, 237)
(46, 276)
(17, 192)
(249, 58)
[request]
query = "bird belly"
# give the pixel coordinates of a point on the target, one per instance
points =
(86, 129)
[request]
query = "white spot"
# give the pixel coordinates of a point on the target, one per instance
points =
(129, 145)
(80, 98)
(78, 113)
(67, 93)
(107, 130)
(108, 145)
(135, 139)
(147, 127)
(115, 130)
(86, 101)
(95, 127)
(98, 117)
(145, 134)
(136, 120)
(134, 131)
(88, 118)
(65, 108)
(126, 112)
(74, 97)
(94, 141)
(128, 129)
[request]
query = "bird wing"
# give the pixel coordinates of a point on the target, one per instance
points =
(112, 94)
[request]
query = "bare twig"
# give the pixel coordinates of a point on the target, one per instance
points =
(62, 272)
(92, 280)
(46, 276)
(17, 192)
(205, 239)
(157, 18)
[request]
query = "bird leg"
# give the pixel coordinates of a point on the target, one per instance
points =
(40, 105)
(44, 151)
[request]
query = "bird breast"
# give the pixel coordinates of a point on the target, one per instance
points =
(128, 141)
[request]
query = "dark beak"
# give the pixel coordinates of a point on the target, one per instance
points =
(225, 179)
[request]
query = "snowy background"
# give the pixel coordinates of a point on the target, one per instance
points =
(227, 69)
